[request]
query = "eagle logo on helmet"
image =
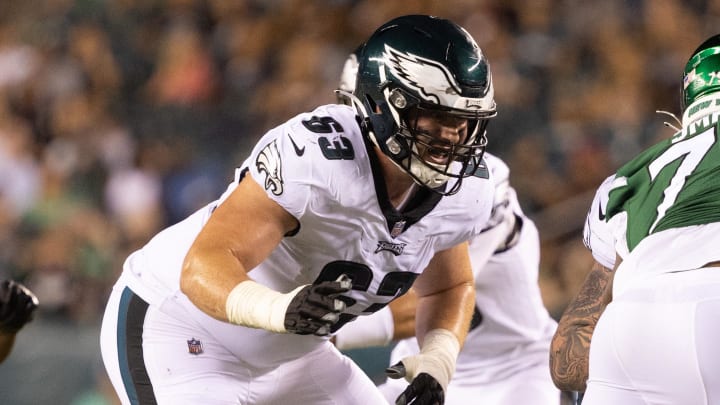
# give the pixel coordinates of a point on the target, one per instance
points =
(412, 70)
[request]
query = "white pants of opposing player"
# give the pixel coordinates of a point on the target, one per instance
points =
(659, 343)
(146, 355)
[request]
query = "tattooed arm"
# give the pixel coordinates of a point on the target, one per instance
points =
(570, 347)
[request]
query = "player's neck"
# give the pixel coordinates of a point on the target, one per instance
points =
(400, 202)
(400, 186)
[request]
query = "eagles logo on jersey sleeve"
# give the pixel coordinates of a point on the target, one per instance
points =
(292, 159)
(269, 163)
(280, 171)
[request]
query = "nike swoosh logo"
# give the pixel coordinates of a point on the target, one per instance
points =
(298, 151)
(601, 214)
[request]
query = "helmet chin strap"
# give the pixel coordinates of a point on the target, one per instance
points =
(673, 116)
(356, 103)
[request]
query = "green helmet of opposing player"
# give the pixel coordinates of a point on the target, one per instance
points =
(702, 72)
(421, 63)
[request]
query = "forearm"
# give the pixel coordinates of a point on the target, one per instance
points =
(450, 309)
(208, 277)
(570, 347)
(446, 294)
(231, 296)
(241, 233)
(445, 300)
(443, 320)
(570, 350)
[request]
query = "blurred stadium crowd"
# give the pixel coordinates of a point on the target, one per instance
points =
(119, 117)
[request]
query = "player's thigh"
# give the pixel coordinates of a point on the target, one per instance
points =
(707, 338)
(608, 382)
(391, 389)
(109, 344)
(324, 376)
(533, 385)
(186, 365)
(646, 353)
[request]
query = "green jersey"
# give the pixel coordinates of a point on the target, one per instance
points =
(673, 184)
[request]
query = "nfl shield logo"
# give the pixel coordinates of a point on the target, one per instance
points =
(194, 346)
(689, 78)
(397, 228)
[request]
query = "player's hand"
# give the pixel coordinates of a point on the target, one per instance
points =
(423, 389)
(429, 372)
(316, 308)
(17, 305)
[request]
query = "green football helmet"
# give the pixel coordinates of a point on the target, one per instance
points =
(702, 72)
(419, 63)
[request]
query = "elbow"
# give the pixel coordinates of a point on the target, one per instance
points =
(186, 283)
(568, 386)
(567, 375)
(189, 276)
(563, 383)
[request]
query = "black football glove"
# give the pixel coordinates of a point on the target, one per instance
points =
(423, 389)
(316, 308)
(17, 305)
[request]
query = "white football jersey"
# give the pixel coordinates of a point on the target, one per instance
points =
(512, 328)
(597, 234)
(655, 254)
(318, 168)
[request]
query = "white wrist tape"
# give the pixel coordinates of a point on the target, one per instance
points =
(437, 357)
(367, 331)
(256, 306)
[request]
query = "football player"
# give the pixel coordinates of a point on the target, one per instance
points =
(334, 214)
(17, 307)
(505, 356)
(652, 300)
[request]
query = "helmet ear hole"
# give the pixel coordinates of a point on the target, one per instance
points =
(399, 147)
(398, 99)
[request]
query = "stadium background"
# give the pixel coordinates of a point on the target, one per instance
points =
(119, 117)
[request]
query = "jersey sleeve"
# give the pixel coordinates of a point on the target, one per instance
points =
(501, 179)
(296, 162)
(496, 229)
(279, 163)
(597, 234)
